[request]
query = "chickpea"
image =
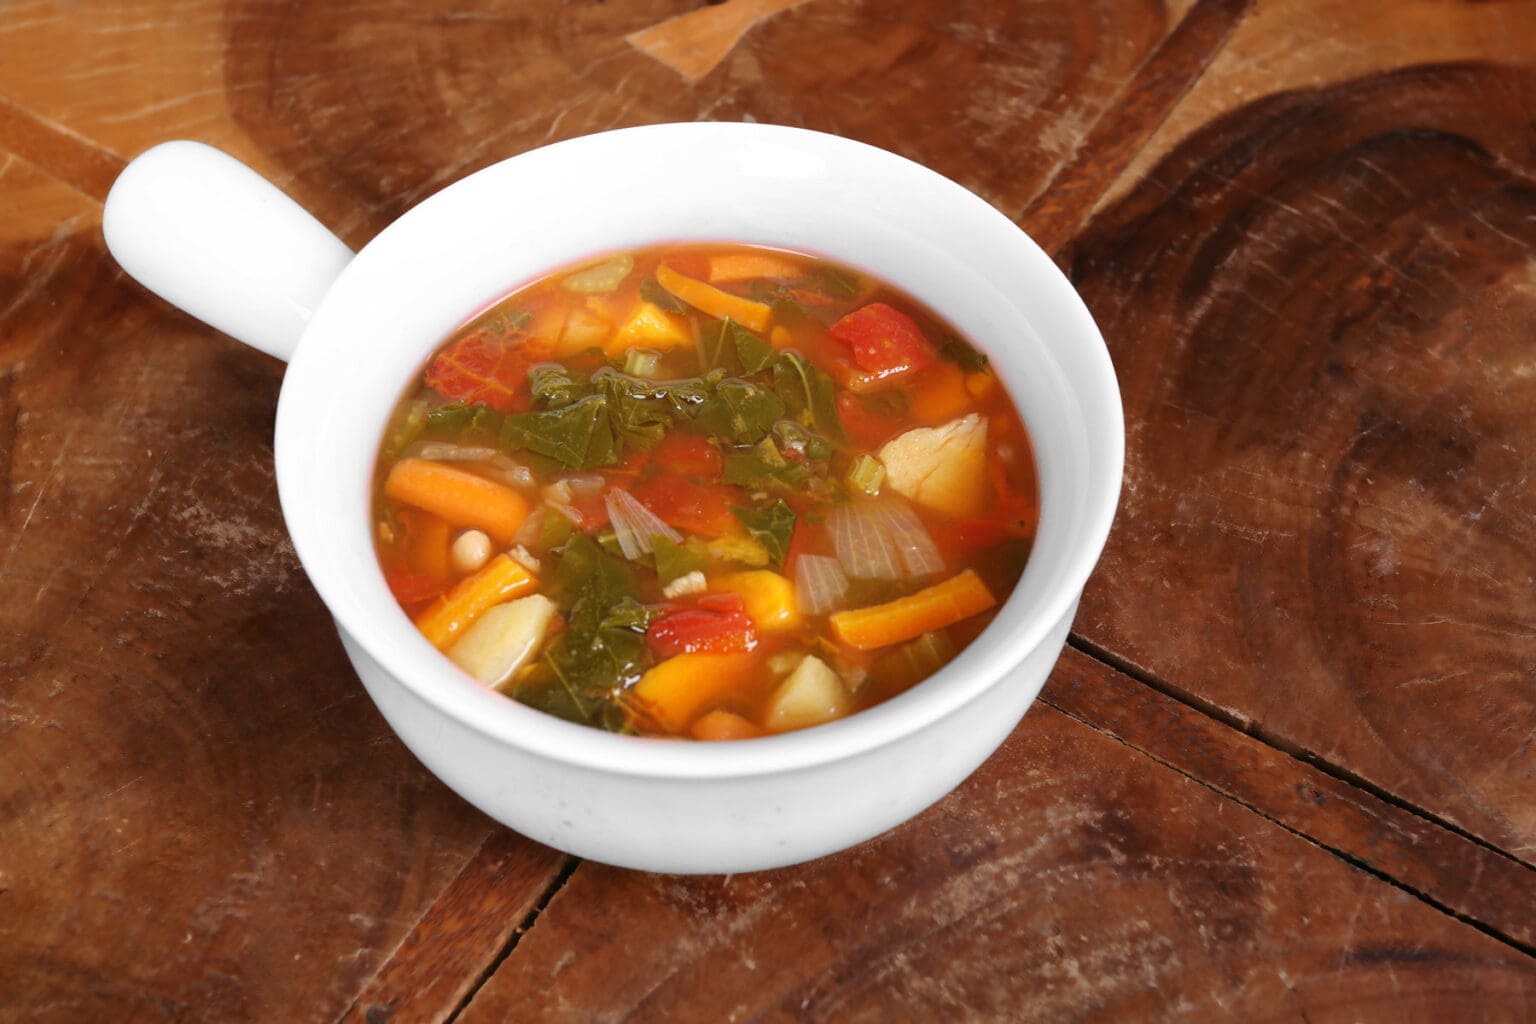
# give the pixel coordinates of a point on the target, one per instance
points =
(470, 551)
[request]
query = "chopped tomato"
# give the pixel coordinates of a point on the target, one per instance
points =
(692, 507)
(592, 509)
(412, 588)
(689, 454)
(713, 624)
(487, 368)
(866, 428)
(885, 341)
(970, 536)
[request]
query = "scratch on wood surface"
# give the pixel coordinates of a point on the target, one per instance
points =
(693, 44)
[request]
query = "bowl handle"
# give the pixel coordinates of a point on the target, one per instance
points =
(205, 232)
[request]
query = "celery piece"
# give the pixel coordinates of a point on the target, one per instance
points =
(865, 475)
(642, 362)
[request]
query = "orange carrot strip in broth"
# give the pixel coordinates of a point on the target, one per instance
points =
(907, 618)
(754, 316)
(746, 266)
(446, 619)
(459, 496)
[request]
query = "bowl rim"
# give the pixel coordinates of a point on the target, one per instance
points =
(412, 663)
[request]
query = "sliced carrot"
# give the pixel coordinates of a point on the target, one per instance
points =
(446, 619)
(907, 618)
(460, 497)
(724, 725)
(672, 693)
(754, 316)
(745, 266)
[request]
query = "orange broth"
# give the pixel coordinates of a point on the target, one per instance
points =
(704, 490)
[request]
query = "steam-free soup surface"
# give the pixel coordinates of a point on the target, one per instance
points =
(708, 491)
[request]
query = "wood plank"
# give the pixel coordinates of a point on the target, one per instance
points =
(202, 812)
(1116, 138)
(360, 113)
(1071, 878)
(1449, 870)
(1320, 304)
(469, 925)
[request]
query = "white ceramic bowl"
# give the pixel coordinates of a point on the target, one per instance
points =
(207, 233)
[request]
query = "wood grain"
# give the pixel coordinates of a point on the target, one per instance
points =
(1070, 878)
(361, 110)
(1321, 308)
(1485, 887)
(468, 927)
(202, 812)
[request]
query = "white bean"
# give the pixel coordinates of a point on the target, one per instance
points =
(471, 550)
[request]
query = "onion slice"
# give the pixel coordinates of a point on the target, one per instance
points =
(819, 584)
(863, 544)
(636, 526)
(919, 553)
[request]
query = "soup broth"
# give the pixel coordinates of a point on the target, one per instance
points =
(704, 490)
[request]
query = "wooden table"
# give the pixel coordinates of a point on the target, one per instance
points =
(1286, 768)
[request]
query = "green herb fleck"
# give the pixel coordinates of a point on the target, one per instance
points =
(963, 354)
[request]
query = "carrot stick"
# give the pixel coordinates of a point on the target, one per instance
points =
(754, 316)
(446, 619)
(906, 618)
(723, 725)
(744, 266)
(458, 496)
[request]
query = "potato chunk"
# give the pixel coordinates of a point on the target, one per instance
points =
(943, 467)
(812, 694)
(504, 639)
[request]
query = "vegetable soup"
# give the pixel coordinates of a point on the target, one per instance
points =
(707, 491)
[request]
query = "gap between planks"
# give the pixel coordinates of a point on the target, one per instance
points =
(1400, 844)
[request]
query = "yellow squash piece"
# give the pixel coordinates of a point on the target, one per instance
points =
(769, 598)
(673, 692)
(652, 327)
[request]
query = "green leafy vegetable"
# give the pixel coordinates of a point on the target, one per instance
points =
(809, 395)
(578, 435)
(651, 291)
(763, 467)
(555, 386)
(602, 649)
(675, 560)
(835, 282)
(770, 527)
(461, 420)
(739, 411)
(726, 345)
